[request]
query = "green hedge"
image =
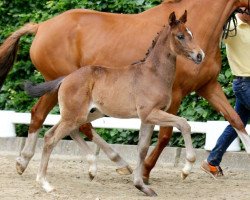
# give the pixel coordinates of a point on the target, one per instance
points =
(15, 13)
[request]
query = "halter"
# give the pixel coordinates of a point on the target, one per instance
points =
(233, 19)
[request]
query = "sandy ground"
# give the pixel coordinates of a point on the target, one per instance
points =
(69, 177)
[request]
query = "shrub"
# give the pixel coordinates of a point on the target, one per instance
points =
(13, 14)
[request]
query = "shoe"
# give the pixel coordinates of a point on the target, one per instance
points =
(213, 171)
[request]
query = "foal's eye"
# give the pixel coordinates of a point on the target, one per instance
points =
(181, 37)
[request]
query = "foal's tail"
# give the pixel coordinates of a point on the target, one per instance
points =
(8, 49)
(38, 90)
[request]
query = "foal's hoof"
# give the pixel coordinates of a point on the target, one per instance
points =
(184, 175)
(19, 166)
(148, 191)
(152, 193)
(124, 170)
(91, 176)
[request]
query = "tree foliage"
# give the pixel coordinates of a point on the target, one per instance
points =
(15, 13)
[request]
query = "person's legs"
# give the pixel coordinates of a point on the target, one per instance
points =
(221, 146)
(242, 106)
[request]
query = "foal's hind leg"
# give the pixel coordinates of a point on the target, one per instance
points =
(165, 119)
(91, 158)
(51, 138)
(123, 167)
(38, 115)
(47, 149)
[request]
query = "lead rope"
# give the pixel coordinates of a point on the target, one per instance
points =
(227, 31)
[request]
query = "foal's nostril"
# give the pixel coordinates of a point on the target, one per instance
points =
(199, 57)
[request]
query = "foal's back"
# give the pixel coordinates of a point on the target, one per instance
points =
(115, 92)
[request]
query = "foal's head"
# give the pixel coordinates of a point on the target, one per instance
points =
(182, 41)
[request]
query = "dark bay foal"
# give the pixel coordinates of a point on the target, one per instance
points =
(141, 90)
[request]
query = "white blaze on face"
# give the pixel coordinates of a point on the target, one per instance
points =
(190, 33)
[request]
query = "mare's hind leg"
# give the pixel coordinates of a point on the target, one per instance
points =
(38, 115)
(90, 156)
(52, 137)
(165, 119)
(146, 132)
(123, 167)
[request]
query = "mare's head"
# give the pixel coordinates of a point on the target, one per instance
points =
(182, 41)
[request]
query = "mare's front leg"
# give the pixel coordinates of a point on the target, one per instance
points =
(164, 137)
(216, 97)
(164, 119)
(146, 132)
(38, 115)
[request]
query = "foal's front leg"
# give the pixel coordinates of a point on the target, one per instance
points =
(165, 119)
(146, 132)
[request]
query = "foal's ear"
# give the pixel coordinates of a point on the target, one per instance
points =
(172, 19)
(183, 18)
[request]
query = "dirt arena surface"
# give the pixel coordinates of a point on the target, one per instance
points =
(69, 177)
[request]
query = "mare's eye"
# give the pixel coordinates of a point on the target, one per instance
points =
(181, 37)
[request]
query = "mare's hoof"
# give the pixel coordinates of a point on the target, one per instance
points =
(19, 167)
(183, 175)
(124, 170)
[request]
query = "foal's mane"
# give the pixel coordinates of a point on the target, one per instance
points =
(153, 44)
(150, 48)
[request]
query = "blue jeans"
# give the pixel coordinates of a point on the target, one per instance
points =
(241, 88)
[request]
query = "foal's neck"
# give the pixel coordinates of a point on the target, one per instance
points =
(160, 54)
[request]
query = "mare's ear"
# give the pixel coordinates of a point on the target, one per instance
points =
(183, 18)
(172, 19)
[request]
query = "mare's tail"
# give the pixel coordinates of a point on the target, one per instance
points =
(38, 90)
(8, 49)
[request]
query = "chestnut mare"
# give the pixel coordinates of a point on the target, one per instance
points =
(142, 90)
(82, 37)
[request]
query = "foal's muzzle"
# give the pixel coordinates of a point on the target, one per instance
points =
(197, 57)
